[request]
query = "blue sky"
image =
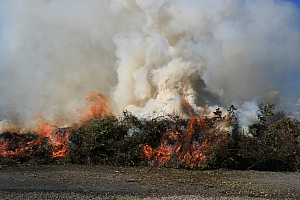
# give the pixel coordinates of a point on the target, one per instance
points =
(296, 2)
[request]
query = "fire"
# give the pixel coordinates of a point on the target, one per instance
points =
(12, 144)
(3, 147)
(15, 144)
(57, 137)
(51, 135)
(185, 143)
(97, 107)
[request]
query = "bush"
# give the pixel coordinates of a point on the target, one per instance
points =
(112, 140)
(23, 148)
(120, 141)
(274, 148)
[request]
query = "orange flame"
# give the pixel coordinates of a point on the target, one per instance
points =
(3, 147)
(187, 145)
(57, 137)
(97, 107)
(16, 146)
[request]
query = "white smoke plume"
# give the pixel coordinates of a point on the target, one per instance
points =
(146, 55)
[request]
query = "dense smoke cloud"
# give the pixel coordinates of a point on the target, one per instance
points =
(146, 56)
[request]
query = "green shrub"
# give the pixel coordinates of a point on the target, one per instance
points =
(275, 148)
(111, 140)
(274, 144)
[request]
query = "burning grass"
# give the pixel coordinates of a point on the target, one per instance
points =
(170, 141)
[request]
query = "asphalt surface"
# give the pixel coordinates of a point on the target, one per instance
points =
(101, 182)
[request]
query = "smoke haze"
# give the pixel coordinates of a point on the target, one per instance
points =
(146, 56)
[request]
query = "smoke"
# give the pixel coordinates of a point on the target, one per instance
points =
(146, 56)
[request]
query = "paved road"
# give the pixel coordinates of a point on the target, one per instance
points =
(100, 182)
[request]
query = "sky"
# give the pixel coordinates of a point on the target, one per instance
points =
(147, 56)
(295, 75)
(297, 2)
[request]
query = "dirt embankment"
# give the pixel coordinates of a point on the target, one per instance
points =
(101, 182)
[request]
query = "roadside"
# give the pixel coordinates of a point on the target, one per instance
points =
(102, 182)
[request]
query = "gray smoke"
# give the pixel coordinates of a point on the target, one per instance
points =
(146, 55)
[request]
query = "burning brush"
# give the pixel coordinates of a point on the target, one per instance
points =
(54, 139)
(186, 143)
(180, 143)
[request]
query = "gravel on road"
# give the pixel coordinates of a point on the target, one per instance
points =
(128, 183)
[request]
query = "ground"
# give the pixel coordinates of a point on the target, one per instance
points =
(103, 182)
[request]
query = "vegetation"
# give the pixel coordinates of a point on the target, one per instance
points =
(273, 142)
(111, 141)
(274, 145)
